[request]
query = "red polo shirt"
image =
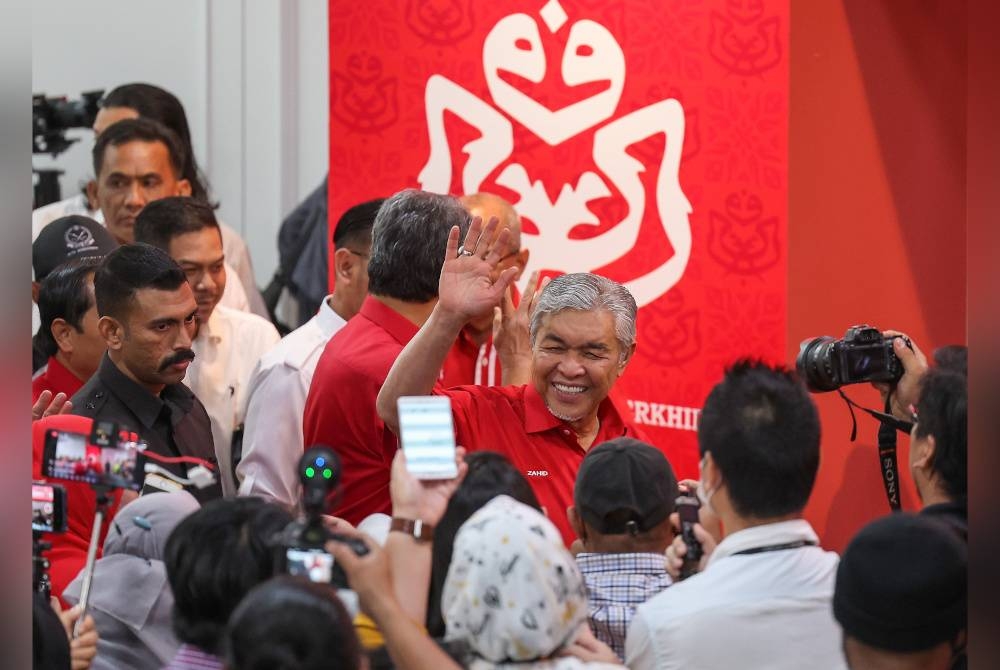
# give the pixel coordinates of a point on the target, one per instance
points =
(471, 363)
(514, 421)
(55, 377)
(68, 554)
(340, 408)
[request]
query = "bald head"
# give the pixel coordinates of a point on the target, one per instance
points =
(486, 205)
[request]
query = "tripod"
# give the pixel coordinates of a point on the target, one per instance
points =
(40, 565)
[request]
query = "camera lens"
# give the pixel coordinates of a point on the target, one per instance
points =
(815, 365)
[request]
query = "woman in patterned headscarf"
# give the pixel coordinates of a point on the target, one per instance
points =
(514, 595)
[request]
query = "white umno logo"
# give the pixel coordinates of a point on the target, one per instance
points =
(592, 54)
(78, 237)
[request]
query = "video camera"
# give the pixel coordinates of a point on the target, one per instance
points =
(104, 456)
(48, 515)
(52, 117)
(301, 545)
(863, 355)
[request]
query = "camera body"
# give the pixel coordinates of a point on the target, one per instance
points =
(48, 507)
(105, 455)
(687, 510)
(864, 354)
(52, 117)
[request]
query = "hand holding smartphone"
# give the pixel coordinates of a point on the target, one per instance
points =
(687, 510)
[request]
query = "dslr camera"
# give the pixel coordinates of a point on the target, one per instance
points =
(864, 354)
(52, 117)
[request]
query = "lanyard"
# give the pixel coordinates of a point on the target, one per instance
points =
(775, 547)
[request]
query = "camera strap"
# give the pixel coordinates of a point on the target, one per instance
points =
(888, 463)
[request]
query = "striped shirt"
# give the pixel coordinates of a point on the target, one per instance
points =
(616, 585)
(190, 657)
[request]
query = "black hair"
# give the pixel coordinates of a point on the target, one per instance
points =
(290, 623)
(130, 268)
(954, 357)
(408, 244)
(762, 430)
(139, 130)
(489, 475)
(942, 412)
(213, 558)
(153, 102)
(162, 220)
(64, 295)
(355, 225)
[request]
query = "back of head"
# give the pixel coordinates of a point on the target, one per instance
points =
(513, 593)
(140, 130)
(128, 269)
(157, 104)
(290, 623)
(69, 238)
(141, 528)
(408, 244)
(626, 488)
(585, 291)
(162, 220)
(489, 475)
(954, 357)
(495, 206)
(902, 585)
(762, 429)
(355, 225)
(65, 294)
(213, 558)
(942, 412)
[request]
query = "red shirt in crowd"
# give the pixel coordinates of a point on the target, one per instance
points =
(340, 408)
(68, 554)
(471, 363)
(514, 421)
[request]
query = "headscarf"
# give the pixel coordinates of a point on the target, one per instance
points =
(130, 580)
(513, 593)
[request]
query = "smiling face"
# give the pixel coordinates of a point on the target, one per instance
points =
(576, 360)
(151, 346)
(200, 256)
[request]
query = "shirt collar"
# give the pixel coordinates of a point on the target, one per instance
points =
(397, 325)
(61, 377)
(137, 398)
(211, 330)
(538, 418)
(781, 532)
(329, 321)
(635, 563)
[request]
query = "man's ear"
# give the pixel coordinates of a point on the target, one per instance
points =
(61, 331)
(112, 332)
(576, 523)
(92, 196)
(710, 475)
(926, 447)
(184, 187)
(521, 262)
(626, 359)
(35, 288)
(344, 263)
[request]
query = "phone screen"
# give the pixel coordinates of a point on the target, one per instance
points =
(428, 436)
(315, 564)
(48, 508)
(70, 456)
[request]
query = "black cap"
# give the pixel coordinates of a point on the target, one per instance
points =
(624, 486)
(69, 238)
(902, 584)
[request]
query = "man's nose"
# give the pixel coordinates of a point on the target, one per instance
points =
(570, 366)
(184, 336)
(135, 197)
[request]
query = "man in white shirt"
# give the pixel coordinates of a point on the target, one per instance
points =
(276, 396)
(763, 597)
(228, 343)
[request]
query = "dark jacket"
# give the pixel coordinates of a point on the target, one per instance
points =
(174, 423)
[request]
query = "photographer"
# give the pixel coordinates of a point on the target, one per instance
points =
(763, 598)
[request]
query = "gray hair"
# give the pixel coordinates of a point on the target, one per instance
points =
(584, 291)
(408, 244)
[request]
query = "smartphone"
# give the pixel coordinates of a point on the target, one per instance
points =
(48, 507)
(95, 459)
(427, 435)
(687, 510)
(313, 563)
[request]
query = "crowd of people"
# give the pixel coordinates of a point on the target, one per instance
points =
(556, 545)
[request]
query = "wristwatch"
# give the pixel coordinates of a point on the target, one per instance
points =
(420, 531)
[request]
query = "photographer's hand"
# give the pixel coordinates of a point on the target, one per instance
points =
(906, 391)
(422, 499)
(678, 549)
(83, 647)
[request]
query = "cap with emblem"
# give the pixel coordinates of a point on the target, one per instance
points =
(66, 239)
(624, 486)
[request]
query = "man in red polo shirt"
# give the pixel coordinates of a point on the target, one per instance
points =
(410, 231)
(582, 337)
(473, 358)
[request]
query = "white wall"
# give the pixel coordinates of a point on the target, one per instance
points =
(252, 75)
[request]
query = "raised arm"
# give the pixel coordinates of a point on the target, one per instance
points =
(465, 291)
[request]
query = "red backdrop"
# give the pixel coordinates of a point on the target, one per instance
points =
(646, 141)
